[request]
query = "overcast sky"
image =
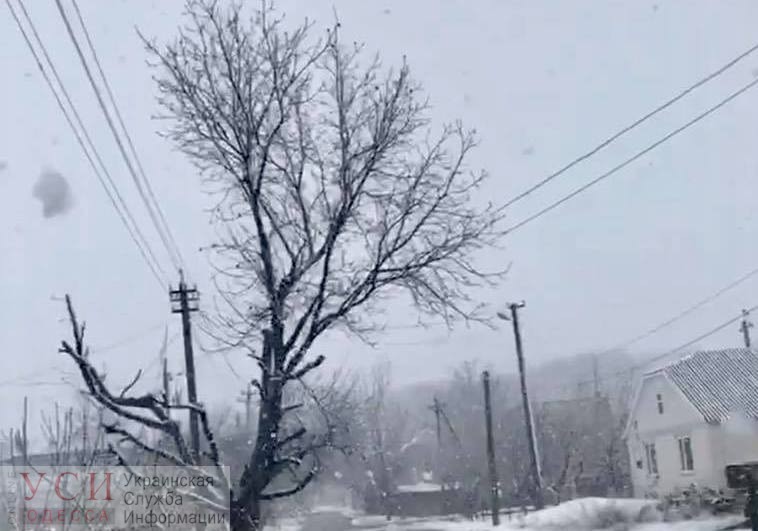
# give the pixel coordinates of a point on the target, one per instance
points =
(542, 82)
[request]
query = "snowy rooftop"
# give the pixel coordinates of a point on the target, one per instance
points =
(718, 382)
(424, 486)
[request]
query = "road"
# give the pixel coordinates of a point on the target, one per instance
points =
(327, 522)
(334, 521)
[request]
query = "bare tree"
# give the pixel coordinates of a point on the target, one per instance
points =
(615, 459)
(319, 414)
(384, 434)
(127, 412)
(323, 409)
(335, 193)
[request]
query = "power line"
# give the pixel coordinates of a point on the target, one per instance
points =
(170, 341)
(416, 326)
(29, 375)
(125, 216)
(628, 371)
(698, 338)
(35, 384)
(116, 136)
(689, 343)
(638, 155)
(177, 257)
(224, 356)
(685, 313)
(673, 320)
(130, 339)
(631, 126)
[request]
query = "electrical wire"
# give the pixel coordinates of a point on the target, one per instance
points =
(130, 339)
(116, 136)
(629, 371)
(681, 315)
(698, 338)
(126, 217)
(177, 256)
(170, 341)
(631, 126)
(638, 155)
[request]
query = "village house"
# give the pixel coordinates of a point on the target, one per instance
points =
(692, 418)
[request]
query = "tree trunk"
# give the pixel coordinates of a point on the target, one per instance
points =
(260, 469)
(246, 516)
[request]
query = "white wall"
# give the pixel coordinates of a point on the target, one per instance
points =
(679, 419)
(735, 441)
(714, 446)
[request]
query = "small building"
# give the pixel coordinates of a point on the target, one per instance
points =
(692, 418)
(73, 458)
(425, 499)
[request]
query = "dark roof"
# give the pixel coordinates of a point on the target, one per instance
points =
(718, 383)
(51, 459)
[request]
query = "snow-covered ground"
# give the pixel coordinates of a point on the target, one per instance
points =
(588, 514)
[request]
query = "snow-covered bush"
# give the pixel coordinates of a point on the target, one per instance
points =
(694, 501)
(593, 513)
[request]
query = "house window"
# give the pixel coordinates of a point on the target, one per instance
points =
(659, 399)
(685, 454)
(651, 458)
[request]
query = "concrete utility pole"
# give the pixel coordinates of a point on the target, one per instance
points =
(745, 327)
(184, 300)
(494, 489)
(529, 420)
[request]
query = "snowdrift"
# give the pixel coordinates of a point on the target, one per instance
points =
(593, 513)
(585, 514)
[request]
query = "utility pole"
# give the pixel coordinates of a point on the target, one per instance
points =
(595, 376)
(166, 390)
(184, 300)
(24, 437)
(745, 327)
(494, 490)
(436, 407)
(247, 398)
(532, 438)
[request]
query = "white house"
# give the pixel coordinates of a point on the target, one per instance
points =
(692, 418)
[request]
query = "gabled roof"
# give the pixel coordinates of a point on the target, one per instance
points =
(718, 383)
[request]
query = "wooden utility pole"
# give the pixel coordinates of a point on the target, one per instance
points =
(436, 408)
(166, 390)
(532, 438)
(494, 489)
(24, 435)
(745, 327)
(184, 300)
(247, 399)
(595, 376)
(24, 457)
